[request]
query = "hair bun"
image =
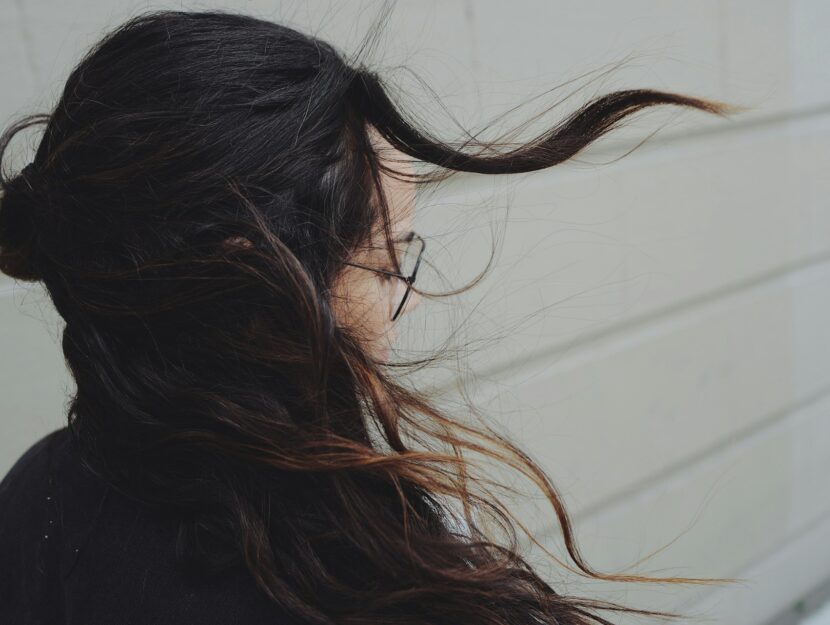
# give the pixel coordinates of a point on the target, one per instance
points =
(18, 231)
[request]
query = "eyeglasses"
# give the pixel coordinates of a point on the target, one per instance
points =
(409, 264)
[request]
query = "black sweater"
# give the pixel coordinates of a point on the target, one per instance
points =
(73, 551)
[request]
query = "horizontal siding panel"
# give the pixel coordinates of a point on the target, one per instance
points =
(590, 251)
(732, 515)
(625, 410)
(768, 55)
(778, 582)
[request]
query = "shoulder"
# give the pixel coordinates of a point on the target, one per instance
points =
(34, 485)
(30, 534)
(26, 486)
(30, 492)
(32, 462)
(71, 544)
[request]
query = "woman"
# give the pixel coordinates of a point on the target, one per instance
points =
(221, 211)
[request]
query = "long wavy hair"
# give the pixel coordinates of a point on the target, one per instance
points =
(212, 377)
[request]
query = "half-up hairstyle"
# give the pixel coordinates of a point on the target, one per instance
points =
(197, 188)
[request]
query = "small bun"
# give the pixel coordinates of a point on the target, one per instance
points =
(18, 231)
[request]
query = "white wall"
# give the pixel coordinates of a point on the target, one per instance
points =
(666, 314)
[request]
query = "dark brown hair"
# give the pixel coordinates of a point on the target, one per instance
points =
(212, 378)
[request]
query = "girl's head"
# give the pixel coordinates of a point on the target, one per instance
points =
(208, 209)
(263, 155)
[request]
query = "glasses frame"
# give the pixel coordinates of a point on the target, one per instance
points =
(408, 280)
